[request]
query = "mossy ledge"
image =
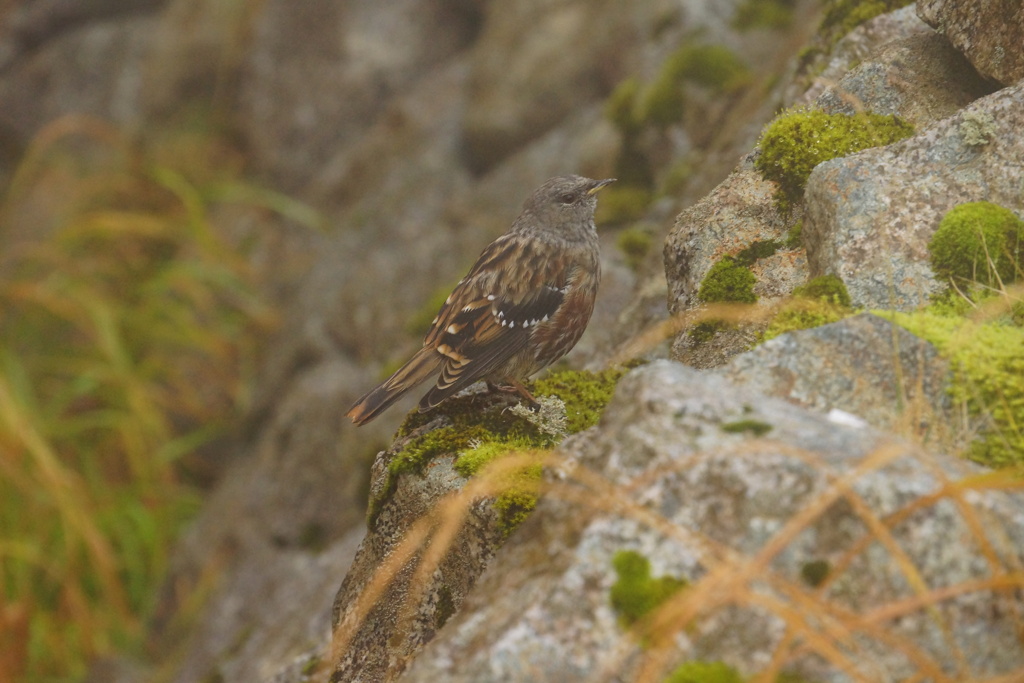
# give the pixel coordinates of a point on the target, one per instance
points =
(480, 428)
(798, 140)
(822, 300)
(988, 376)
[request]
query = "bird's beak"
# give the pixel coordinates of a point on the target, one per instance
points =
(599, 184)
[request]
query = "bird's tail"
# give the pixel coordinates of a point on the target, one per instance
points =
(425, 363)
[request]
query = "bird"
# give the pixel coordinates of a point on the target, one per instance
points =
(523, 305)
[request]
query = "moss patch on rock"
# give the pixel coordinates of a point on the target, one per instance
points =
(728, 280)
(795, 236)
(842, 16)
(756, 251)
(635, 594)
(797, 141)
(988, 377)
(827, 288)
(978, 242)
(480, 430)
(585, 394)
(755, 427)
(704, 672)
(821, 301)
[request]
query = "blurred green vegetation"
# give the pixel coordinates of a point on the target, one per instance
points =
(128, 328)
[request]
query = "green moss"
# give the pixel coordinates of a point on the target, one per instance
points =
(474, 459)
(623, 204)
(663, 102)
(706, 330)
(804, 315)
(585, 394)
(704, 672)
(712, 66)
(815, 572)
(821, 301)
(755, 427)
(445, 607)
(452, 439)
(828, 288)
(756, 251)
(794, 238)
(635, 243)
(414, 458)
(845, 15)
(988, 377)
(514, 506)
(621, 106)
(310, 667)
(772, 14)
(715, 67)
(727, 280)
(797, 141)
(480, 434)
(978, 242)
(635, 593)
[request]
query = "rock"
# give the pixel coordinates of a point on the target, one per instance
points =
(864, 366)
(275, 536)
(988, 33)
(675, 478)
(265, 611)
(862, 43)
(318, 76)
(93, 69)
(512, 101)
(402, 619)
(869, 216)
(28, 25)
(921, 79)
(738, 213)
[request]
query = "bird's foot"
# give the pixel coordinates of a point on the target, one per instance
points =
(514, 387)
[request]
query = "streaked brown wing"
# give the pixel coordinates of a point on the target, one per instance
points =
(488, 318)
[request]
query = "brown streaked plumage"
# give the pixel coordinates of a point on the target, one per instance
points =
(522, 306)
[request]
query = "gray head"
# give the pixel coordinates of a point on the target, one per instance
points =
(563, 205)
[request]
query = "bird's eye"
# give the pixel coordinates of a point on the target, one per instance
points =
(567, 198)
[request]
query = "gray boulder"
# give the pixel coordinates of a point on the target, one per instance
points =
(675, 477)
(859, 45)
(864, 366)
(989, 33)
(920, 78)
(869, 216)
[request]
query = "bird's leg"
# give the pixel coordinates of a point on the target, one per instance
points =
(514, 387)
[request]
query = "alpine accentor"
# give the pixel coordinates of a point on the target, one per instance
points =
(523, 305)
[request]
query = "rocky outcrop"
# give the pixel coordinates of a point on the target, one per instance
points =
(416, 127)
(864, 366)
(919, 78)
(736, 215)
(676, 473)
(869, 216)
(988, 33)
